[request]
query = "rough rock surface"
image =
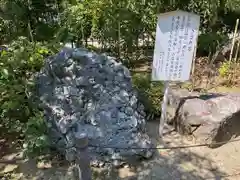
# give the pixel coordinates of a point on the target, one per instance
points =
(83, 92)
(209, 117)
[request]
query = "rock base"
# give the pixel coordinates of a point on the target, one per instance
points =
(211, 118)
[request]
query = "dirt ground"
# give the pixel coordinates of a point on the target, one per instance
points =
(191, 163)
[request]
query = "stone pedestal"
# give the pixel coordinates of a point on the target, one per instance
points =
(209, 117)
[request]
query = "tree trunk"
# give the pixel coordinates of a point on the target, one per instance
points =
(29, 23)
(30, 31)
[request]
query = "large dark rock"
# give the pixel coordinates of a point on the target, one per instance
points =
(83, 92)
(209, 117)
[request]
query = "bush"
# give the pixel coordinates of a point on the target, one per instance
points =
(209, 43)
(19, 114)
(224, 69)
(35, 130)
(229, 73)
(150, 93)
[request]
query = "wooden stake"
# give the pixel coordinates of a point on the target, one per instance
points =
(83, 38)
(119, 39)
(193, 67)
(83, 158)
(237, 51)
(233, 40)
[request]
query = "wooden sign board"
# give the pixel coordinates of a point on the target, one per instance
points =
(176, 39)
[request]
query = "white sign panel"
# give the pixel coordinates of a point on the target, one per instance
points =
(176, 38)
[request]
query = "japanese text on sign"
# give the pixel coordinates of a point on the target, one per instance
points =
(176, 38)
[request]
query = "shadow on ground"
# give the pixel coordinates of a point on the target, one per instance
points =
(166, 164)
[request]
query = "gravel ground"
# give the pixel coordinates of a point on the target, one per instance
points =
(198, 163)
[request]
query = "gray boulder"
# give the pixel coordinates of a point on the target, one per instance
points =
(83, 92)
(211, 118)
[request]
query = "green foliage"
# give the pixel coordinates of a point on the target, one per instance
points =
(75, 23)
(224, 69)
(150, 93)
(118, 25)
(19, 114)
(35, 19)
(114, 23)
(36, 139)
(209, 43)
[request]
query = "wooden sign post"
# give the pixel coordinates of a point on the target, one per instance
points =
(176, 38)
